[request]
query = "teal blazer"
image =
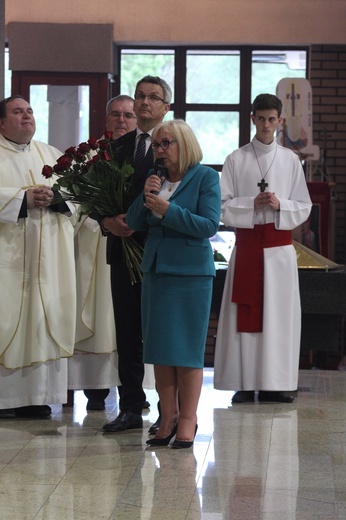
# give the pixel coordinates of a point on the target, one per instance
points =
(179, 244)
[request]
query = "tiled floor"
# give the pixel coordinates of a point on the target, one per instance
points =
(249, 462)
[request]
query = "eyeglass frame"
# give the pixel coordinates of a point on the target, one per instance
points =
(156, 146)
(125, 115)
(153, 98)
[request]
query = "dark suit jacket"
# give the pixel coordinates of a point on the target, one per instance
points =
(123, 151)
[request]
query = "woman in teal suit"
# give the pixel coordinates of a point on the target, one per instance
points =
(179, 213)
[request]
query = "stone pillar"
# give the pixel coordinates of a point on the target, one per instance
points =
(64, 107)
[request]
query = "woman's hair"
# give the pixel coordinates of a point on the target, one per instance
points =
(190, 152)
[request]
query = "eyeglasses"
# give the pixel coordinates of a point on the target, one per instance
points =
(165, 144)
(152, 98)
(125, 115)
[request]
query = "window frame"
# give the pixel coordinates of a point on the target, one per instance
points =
(243, 108)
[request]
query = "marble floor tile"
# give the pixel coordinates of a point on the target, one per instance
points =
(257, 461)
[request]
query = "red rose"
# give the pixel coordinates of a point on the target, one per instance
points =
(84, 148)
(58, 168)
(47, 171)
(103, 144)
(63, 163)
(79, 156)
(93, 143)
(108, 135)
(70, 152)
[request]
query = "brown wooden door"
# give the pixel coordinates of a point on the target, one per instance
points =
(101, 87)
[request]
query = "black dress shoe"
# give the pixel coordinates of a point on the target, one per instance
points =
(244, 396)
(178, 445)
(154, 427)
(94, 404)
(275, 397)
(164, 441)
(7, 413)
(38, 411)
(124, 421)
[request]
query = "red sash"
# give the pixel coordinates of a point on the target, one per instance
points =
(248, 272)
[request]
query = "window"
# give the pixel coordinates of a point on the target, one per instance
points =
(269, 67)
(212, 77)
(8, 75)
(212, 81)
(213, 87)
(137, 63)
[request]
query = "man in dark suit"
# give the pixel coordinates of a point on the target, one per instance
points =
(120, 119)
(152, 101)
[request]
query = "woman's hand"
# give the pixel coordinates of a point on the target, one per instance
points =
(153, 202)
(156, 203)
(153, 184)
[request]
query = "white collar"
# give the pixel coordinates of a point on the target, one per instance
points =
(140, 132)
(264, 147)
(19, 147)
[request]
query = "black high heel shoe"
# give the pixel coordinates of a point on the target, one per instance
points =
(178, 445)
(163, 441)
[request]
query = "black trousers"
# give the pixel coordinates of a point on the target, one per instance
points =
(97, 394)
(127, 315)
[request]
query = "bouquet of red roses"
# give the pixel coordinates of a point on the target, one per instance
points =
(89, 176)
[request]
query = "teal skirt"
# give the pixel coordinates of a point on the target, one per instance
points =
(175, 318)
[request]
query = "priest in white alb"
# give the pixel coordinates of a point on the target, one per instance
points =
(264, 197)
(38, 294)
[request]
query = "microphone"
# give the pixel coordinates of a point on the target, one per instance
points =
(160, 170)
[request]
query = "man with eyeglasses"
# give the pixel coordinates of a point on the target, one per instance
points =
(120, 116)
(97, 371)
(152, 102)
(93, 367)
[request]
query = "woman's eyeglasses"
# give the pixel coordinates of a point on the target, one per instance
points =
(165, 144)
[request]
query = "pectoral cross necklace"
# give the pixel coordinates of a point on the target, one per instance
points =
(263, 184)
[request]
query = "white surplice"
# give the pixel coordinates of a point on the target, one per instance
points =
(38, 297)
(267, 360)
(95, 360)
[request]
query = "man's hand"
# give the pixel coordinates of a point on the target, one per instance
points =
(39, 197)
(266, 198)
(274, 202)
(117, 226)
